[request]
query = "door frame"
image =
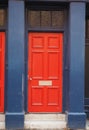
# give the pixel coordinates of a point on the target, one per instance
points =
(65, 57)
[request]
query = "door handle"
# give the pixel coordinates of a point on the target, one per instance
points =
(29, 78)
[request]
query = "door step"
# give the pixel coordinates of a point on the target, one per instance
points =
(45, 121)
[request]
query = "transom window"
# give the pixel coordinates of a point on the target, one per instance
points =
(51, 19)
(2, 17)
(87, 27)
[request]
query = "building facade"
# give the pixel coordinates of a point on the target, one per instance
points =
(44, 64)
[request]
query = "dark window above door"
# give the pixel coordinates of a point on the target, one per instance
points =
(2, 17)
(87, 27)
(45, 18)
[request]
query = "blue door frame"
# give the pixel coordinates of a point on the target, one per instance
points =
(65, 50)
(14, 115)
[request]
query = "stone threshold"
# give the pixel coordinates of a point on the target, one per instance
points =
(45, 121)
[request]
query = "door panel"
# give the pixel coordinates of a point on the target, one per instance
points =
(2, 69)
(45, 72)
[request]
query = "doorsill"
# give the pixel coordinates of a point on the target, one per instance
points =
(45, 121)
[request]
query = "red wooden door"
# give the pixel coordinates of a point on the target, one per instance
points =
(2, 69)
(45, 72)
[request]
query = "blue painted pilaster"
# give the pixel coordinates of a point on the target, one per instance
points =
(76, 117)
(15, 75)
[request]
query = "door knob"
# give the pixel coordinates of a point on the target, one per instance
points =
(29, 78)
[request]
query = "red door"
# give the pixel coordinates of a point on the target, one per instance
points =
(45, 72)
(2, 69)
